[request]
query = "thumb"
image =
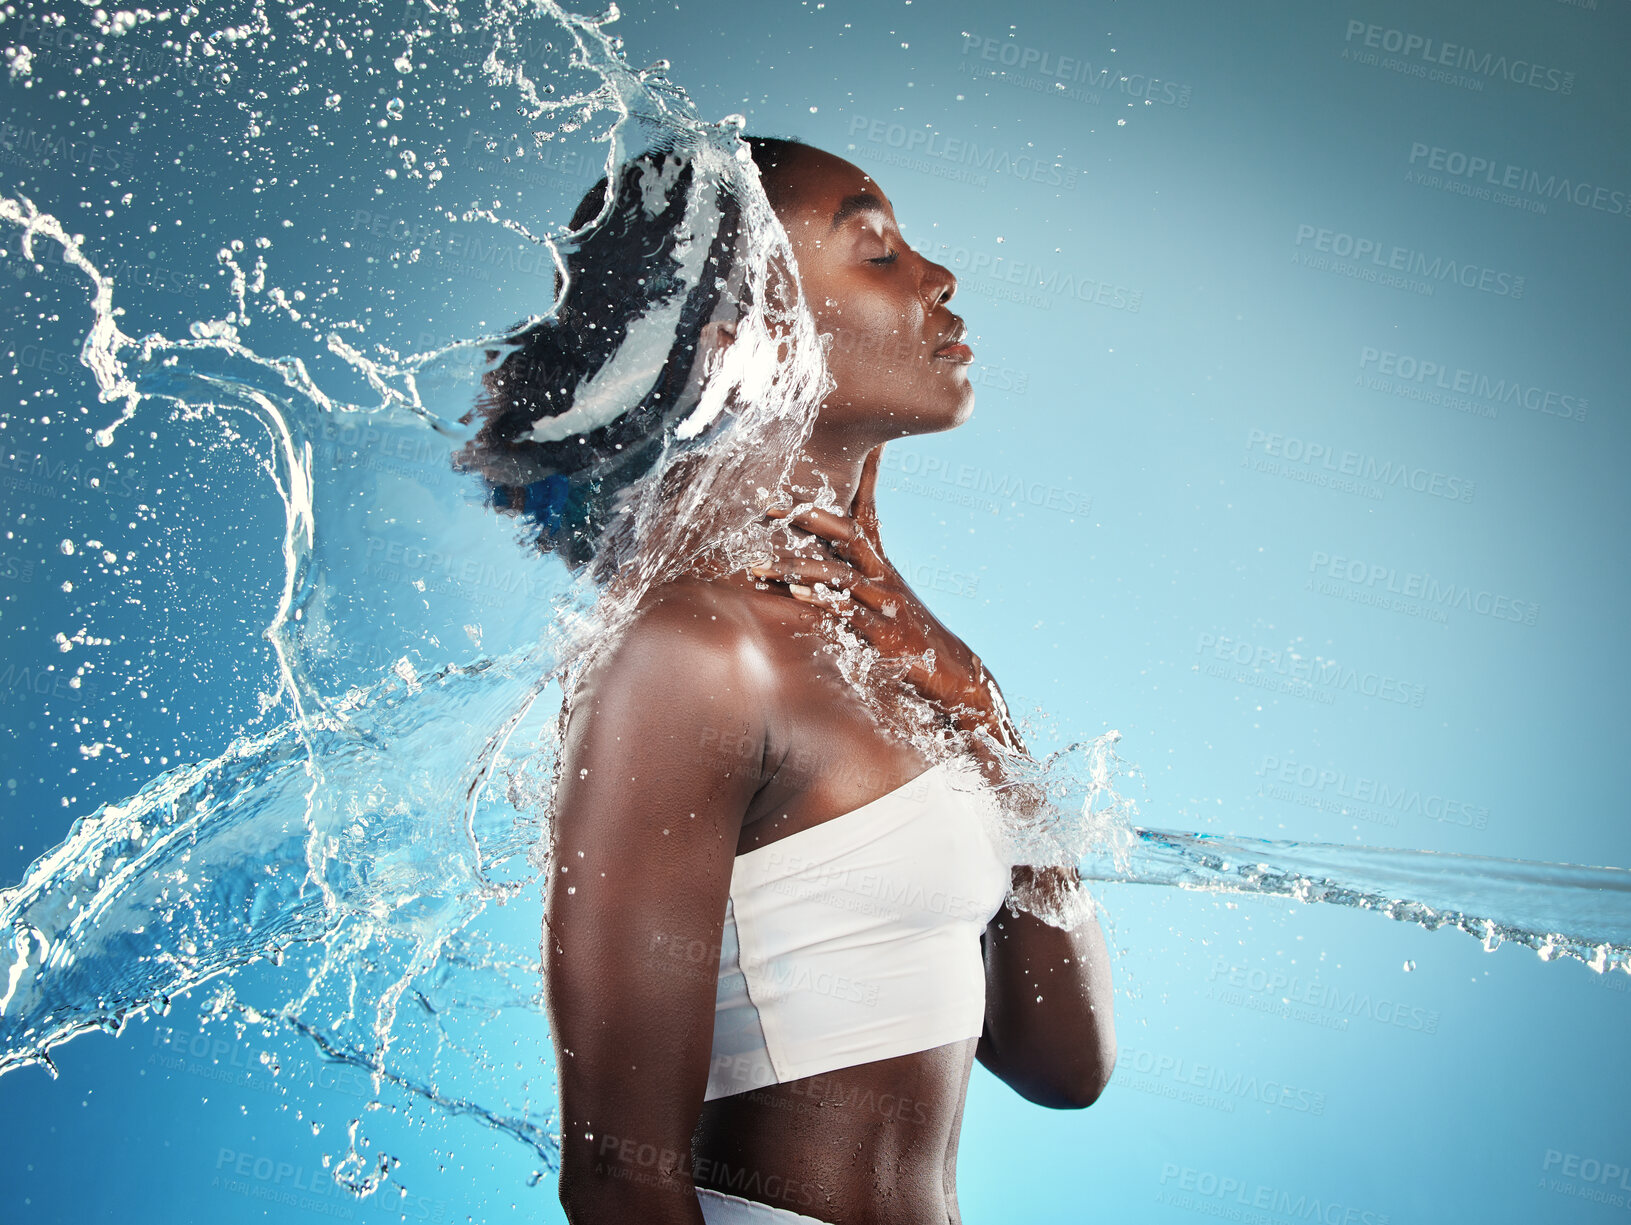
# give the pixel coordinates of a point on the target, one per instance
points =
(864, 505)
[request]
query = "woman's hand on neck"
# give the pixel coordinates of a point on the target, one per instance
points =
(854, 484)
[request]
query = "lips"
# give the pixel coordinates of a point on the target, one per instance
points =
(954, 350)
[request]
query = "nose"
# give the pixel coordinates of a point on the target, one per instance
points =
(939, 283)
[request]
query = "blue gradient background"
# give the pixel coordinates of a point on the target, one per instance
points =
(1501, 1087)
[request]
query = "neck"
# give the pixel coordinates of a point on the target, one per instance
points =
(842, 464)
(850, 469)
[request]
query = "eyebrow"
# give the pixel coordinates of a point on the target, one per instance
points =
(861, 202)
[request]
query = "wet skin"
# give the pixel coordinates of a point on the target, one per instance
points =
(714, 725)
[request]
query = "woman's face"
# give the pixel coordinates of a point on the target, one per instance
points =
(896, 355)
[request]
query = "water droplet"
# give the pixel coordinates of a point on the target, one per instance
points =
(1409, 966)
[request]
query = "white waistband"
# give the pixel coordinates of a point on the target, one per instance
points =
(720, 1208)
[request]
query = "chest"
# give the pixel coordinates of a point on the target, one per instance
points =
(827, 753)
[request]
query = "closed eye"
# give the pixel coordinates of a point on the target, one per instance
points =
(885, 259)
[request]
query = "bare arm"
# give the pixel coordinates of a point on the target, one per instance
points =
(1049, 1023)
(645, 829)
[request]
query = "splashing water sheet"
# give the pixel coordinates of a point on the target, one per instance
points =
(258, 258)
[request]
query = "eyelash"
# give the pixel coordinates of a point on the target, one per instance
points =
(885, 259)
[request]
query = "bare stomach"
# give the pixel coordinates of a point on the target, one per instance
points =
(874, 1144)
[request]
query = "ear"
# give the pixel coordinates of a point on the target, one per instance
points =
(715, 338)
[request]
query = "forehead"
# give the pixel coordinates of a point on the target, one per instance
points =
(819, 186)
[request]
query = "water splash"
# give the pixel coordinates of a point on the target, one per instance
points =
(1074, 810)
(360, 845)
(379, 845)
(1559, 910)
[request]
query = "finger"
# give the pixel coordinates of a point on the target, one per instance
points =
(829, 525)
(823, 525)
(884, 603)
(820, 595)
(878, 631)
(846, 537)
(935, 685)
(821, 522)
(863, 508)
(807, 570)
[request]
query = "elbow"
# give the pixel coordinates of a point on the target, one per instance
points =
(589, 1198)
(1092, 1086)
(1086, 1089)
(1082, 1090)
(1076, 1084)
(604, 1194)
(581, 1195)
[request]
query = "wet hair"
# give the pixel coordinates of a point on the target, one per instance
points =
(566, 489)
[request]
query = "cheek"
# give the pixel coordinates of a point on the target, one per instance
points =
(872, 332)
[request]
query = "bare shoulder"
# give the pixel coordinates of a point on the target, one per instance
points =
(689, 642)
(649, 724)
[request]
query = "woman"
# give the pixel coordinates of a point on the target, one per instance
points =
(775, 938)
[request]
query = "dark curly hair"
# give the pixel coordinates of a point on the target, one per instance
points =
(622, 267)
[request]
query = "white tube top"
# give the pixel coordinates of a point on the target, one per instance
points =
(859, 939)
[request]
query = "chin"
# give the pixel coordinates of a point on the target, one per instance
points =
(962, 410)
(947, 416)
